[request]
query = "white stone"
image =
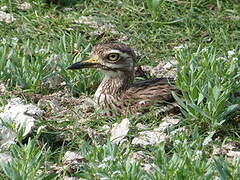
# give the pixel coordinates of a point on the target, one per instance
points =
(4, 158)
(3, 8)
(208, 139)
(152, 137)
(148, 167)
(141, 126)
(181, 129)
(6, 17)
(7, 137)
(119, 131)
(20, 115)
(206, 49)
(168, 121)
(100, 25)
(68, 9)
(70, 178)
(72, 157)
(168, 65)
(2, 88)
(234, 154)
(181, 46)
(231, 53)
(53, 104)
(24, 6)
(106, 129)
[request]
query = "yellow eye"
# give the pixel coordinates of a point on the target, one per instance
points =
(113, 57)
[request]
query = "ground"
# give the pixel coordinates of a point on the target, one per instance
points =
(196, 42)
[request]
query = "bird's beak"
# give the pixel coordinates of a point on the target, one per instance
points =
(88, 63)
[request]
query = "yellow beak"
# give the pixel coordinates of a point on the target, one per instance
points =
(88, 63)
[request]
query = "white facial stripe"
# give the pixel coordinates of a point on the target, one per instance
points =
(124, 55)
(114, 51)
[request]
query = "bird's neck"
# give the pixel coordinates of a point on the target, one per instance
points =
(114, 84)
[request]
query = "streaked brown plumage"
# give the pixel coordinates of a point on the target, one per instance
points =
(117, 92)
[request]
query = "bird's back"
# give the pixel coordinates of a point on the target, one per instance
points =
(142, 94)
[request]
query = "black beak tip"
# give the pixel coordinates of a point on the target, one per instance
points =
(69, 67)
(74, 66)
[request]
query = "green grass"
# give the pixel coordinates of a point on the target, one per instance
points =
(43, 41)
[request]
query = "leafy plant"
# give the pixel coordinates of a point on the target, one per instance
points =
(26, 66)
(154, 7)
(207, 84)
(26, 162)
(227, 170)
(110, 161)
(30, 66)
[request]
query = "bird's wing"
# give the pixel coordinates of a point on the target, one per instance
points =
(145, 93)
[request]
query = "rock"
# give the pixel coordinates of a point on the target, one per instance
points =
(71, 157)
(168, 108)
(72, 161)
(52, 104)
(5, 157)
(168, 66)
(88, 105)
(179, 47)
(119, 131)
(146, 68)
(100, 26)
(141, 126)
(234, 154)
(70, 178)
(148, 167)
(24, 6)
(140, 156)
(157, 135)
(7, 137)
(106, 128)
(53, 82)
(146, 161)
(168, 121)
(234, 18)
(68, 9)
(150, 137)
(95, 136)
(3, 8)
(2, 88)
(6, 17)
(163, 69)
(229, 149)
(218, 151)
(20, 115)
(93, 21)
(231, 53)
(181, 129)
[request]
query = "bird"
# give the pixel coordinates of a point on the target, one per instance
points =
(118, 93)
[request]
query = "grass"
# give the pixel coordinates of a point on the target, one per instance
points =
(44, 40)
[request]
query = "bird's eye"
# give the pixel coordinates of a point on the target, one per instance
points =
(113, 57)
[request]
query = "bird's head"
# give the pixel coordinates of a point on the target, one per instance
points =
(110, 58)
